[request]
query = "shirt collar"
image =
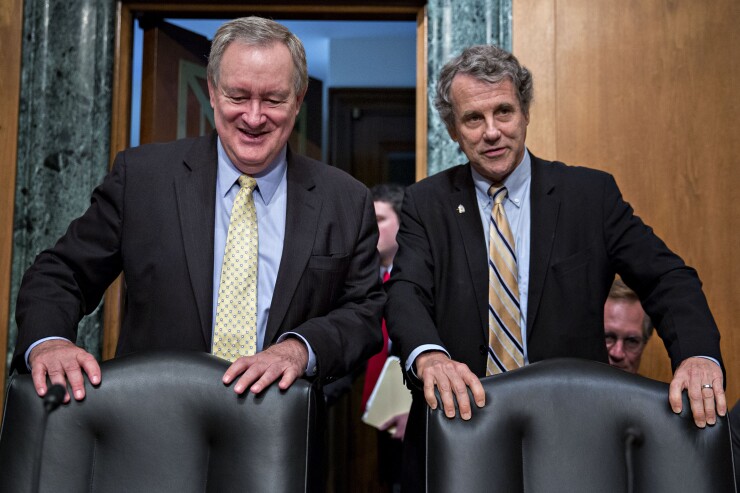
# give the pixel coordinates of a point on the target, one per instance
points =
(516, 182)
(268, 180)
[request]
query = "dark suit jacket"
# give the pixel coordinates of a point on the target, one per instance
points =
(582, 233)
(153, 219)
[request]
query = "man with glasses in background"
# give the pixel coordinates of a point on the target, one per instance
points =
(627, 327)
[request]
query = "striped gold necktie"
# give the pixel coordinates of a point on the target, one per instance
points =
(504, 338)
(236, 313)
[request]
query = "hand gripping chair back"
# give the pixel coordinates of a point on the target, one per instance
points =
(576, 426)
(163, 422)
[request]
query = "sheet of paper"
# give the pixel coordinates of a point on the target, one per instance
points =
(390, 396)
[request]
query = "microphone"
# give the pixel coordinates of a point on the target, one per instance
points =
(53, 399)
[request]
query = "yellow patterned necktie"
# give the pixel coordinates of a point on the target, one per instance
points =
(504, 338)
(236, 313)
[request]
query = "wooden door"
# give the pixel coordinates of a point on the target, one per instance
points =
(174, 92)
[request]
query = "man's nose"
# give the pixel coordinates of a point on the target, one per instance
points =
(253, 115)
(617, 350)
(492, 132)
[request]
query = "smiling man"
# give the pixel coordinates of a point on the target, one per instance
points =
(508, 259)
(229, 243)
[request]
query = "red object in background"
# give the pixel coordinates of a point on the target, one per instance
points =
(376, 362)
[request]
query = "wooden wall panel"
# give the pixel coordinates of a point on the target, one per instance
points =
(644, 89)
(11, 24)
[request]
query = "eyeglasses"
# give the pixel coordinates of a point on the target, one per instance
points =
(629, 343)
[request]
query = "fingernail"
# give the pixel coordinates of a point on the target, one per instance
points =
(95, 380)
(466, 416)
(79, 394)
(676, 410)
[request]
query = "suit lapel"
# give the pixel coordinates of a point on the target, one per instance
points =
(469, 222)
(302, 218)
(545, 205)
(195, 191)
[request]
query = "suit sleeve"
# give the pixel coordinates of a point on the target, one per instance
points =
(350, 332)
(68, 280)
(409, 309)
(670, 291)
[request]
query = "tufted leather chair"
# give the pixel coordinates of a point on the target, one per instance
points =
(164, 422)
(576, 426)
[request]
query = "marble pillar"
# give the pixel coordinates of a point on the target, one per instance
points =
(453, 25)
(64, 130)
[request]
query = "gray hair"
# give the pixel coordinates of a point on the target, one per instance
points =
(257, 31)
(487, 63)
(620, 291)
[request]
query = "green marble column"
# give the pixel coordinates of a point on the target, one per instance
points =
(64, 130)
(453, 25)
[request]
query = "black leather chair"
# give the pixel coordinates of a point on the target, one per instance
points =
(164, 422)
(576, 426)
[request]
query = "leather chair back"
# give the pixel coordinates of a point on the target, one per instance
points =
(570, 426)
(164, 422)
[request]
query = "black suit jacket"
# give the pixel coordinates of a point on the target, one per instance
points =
(582, 233)
(153, 220)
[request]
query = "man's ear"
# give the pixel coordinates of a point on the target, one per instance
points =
(211, 94)
(299, 101)
(452, 132)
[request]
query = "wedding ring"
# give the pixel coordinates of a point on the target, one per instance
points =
(706, 386)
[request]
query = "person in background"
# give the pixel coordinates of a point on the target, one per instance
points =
(387, 199)
(627, 327)
(508, 260)
(187, 222)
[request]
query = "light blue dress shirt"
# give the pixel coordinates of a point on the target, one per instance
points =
(270, 202)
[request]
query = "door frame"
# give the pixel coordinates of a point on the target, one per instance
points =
(126, 12)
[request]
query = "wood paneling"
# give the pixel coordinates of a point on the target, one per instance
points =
(11, 24)
(647, 90)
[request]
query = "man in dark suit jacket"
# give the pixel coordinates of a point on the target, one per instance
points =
(572, 231)
(163, 207)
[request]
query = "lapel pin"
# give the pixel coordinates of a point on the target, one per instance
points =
(460, 209)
